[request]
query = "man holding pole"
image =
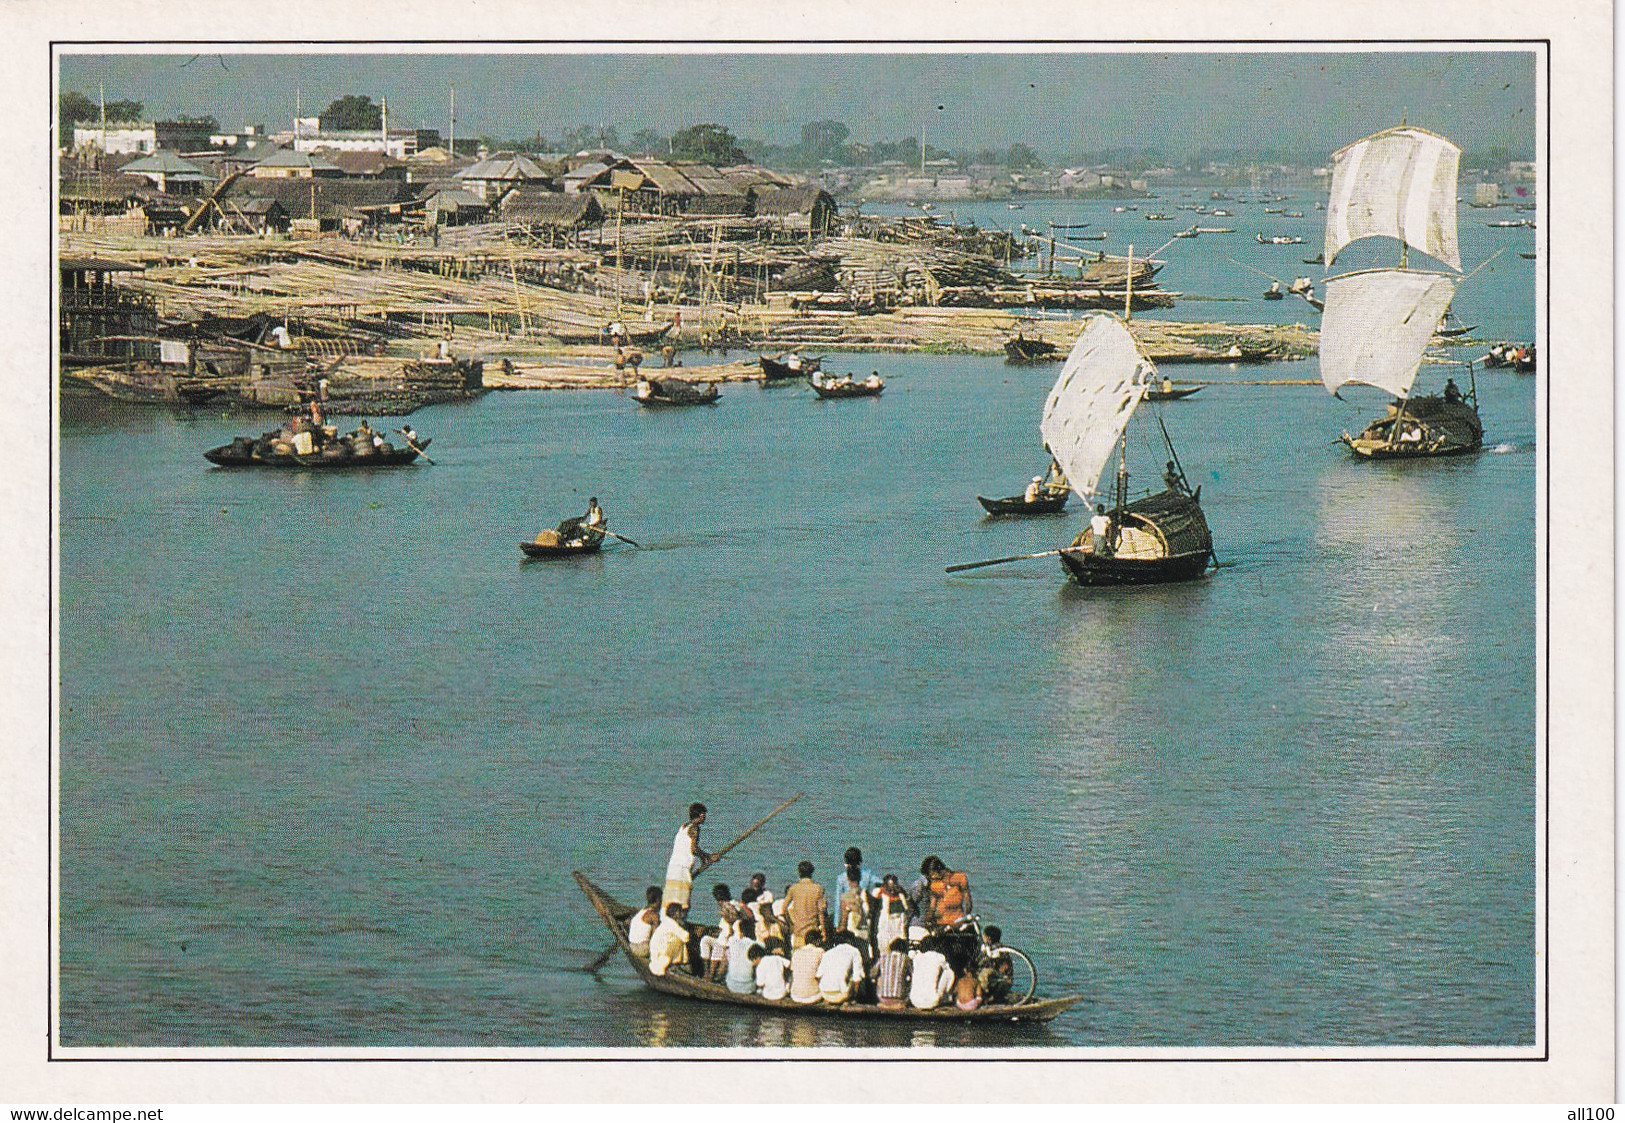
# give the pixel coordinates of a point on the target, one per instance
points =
(685, 848)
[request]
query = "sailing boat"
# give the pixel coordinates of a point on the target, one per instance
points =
(1399, 184)
(1160, 537)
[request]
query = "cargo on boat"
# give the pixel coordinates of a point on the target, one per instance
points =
(306, 450)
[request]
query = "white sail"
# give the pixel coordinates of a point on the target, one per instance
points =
(1376, 325)
(1103, 380)
(1399, 184)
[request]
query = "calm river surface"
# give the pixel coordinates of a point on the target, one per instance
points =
(329, 749)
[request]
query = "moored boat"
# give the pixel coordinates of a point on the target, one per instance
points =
(637, 335)
(1019, 349)
(681, 984)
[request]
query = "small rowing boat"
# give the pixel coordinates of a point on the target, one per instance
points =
(1047, 503)
(683, 985)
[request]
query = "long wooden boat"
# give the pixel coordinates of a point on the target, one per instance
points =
(675, 392)
(683, 985)
(1171, 395)
(246, 453)
(1047, 503)
(847, 389)
(643, 335)
(579, 548)
(774, 370)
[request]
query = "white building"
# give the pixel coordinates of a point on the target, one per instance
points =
(116, 136)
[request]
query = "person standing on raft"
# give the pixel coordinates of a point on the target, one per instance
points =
(685, 848)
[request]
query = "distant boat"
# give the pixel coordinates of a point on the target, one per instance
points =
(1291, 214)
(1398, 184)
(1513, 224)
(674, 392)
(1526, 256)
(847, 387)
(1280, 240)
(1016, 206)
(639, 335)
(1274, 292)
(788, 365)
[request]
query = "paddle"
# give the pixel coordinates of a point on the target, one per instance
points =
(413, 445)
(713, 860)
(1012, 558)
(622, 537)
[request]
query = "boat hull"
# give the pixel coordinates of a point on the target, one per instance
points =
(580, 549)
(1170, 395)
(683, 985)
(1023, 351)
(856, 390)
(231, 456)
(1018, 504)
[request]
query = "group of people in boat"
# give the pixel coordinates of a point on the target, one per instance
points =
(312, 436)
(1510, 355)
(1052, 482)
(846, 380)
(866, 939)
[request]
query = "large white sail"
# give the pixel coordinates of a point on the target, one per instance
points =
(1376, 325)
(1103, 380)
(1399, 184)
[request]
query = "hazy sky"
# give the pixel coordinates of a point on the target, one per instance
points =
(1058, 103)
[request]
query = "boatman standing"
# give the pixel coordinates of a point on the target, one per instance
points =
(1100, 526)
(684, 849)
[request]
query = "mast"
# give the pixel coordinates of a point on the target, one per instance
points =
(452, 143)
(1128, 286)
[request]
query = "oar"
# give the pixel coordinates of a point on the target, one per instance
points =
(622, 537)
(717, 857)
(413, 445)
(714, 859)
(1012, 558)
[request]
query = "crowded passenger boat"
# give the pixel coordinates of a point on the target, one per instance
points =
(863, 945)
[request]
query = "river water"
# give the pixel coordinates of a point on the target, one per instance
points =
(329, 749)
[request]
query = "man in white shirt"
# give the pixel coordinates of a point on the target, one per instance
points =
(772, 974)
(804, 971)
(643, 923)
(932, 978)
(669, 944)
(685, 850)
(1100, 526)
(840, 970)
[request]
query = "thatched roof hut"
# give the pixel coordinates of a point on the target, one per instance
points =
(798, 210)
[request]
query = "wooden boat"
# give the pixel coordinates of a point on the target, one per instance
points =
(681, 984)
(774, 370)
(634, 335)
(657, 392)
(246, 452)
(1431, 426)
(1020, 349)
(1047, 503)
(1159, 538)
(1173, 395)
(1274, 292)
(1280, 240)
(590, 543)
(846, 388)
(1377, 323)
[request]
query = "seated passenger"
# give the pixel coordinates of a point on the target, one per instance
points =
(891, 975)
(932, 977)
(643, 923)
(840, 970)
(743, 955)
(772, 972)
(967, 992)
(669, 944)
(804, 970)
(1033, 489)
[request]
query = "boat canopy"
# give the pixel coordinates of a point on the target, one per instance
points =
(1400, 183)
(1376, 325)
(1104, 378)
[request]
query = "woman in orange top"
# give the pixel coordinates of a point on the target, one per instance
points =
(950, 895)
